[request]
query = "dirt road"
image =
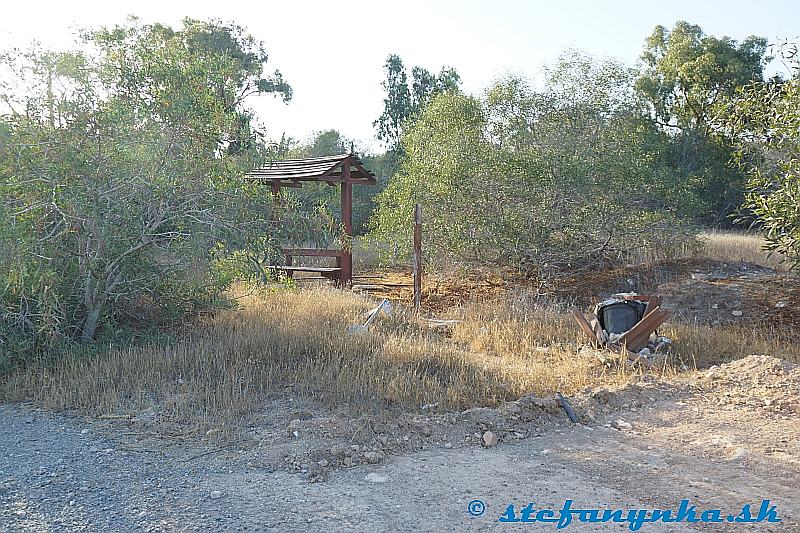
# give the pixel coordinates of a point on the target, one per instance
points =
(732, 440)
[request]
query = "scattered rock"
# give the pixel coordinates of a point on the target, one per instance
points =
(373, 457)
(490, 439)
(737, 313)
(372, 477)
(339, 451)
(740, 453)
(621, 425)
(216, 494)
(425, 431)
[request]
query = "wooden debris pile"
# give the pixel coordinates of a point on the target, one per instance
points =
(627, 324)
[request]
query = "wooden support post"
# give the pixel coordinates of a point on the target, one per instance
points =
(346, 276)
(417, 256)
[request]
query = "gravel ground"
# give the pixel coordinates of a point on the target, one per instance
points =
(731, 438)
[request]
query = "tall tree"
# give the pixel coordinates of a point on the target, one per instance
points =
(402, 104)
(120, 172)
(396, 105)
(571, 175)
(686, 75)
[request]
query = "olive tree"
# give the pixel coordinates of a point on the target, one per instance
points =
(121, 173)
(764, 118)
(566, 176)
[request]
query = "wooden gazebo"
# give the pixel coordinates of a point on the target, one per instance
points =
(343, 170)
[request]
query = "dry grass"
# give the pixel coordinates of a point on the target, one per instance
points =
(734, 247)
(289, 338)
(701, 346)
(283, 339)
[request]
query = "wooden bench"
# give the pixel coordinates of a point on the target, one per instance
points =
(327, 272)
(289, 269)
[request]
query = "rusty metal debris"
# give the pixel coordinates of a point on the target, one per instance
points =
(627, 324)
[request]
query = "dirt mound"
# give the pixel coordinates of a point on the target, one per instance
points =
(757, 367)
(755, 382)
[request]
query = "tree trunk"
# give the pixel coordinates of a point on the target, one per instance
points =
(90, 326)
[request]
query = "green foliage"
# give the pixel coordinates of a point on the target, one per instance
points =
(686, 76)
(765, 120)
(402, 104)
(326, 199)
(567, 176)
(121, 177)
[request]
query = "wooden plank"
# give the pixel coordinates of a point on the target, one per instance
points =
(653, 303)
(636, 338)
(312, 252)
(598, 331)
(289, 268)
(639, 297)
(584, 325)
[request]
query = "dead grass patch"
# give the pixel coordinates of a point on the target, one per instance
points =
(702, 346)
(281, 340)
(225, 369)
(738, 247)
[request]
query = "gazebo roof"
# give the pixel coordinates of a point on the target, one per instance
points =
(328, 169)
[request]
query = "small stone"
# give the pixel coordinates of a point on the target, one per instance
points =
(737, 313)
(372, 477)
(373, 457)
(348, 461)
(216, 494)
(84, 432)
(767, 402)
(621, 425)
(448, 445)
(323, 463)
(490, 439)
(426, 431)
(338, 451)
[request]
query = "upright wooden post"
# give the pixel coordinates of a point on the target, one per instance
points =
(346, 276)
(417, 256)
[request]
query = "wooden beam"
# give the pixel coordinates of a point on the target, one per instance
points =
(636, 338)
(346, 277)
(584, 324)
(312, 252)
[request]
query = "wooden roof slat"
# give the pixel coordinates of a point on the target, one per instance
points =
(313, 169)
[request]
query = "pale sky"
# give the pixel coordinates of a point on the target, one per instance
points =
(332, 53)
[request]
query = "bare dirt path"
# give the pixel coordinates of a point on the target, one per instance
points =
(732, 440)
